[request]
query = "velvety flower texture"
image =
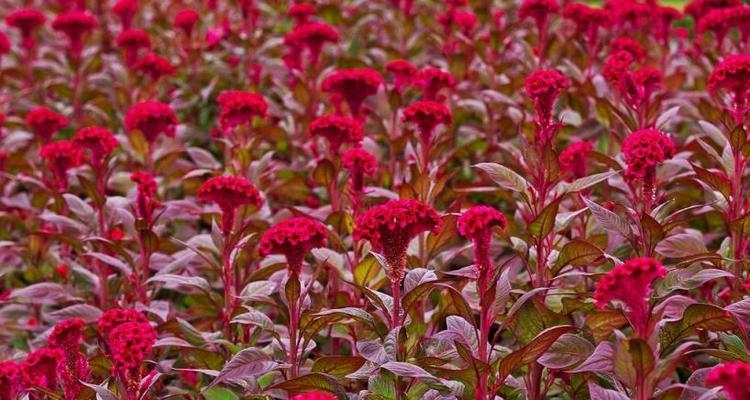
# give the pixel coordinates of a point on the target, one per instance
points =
(629, 45)
(26, 20)
(301, 12)
(732, 377)
(186, 21)
(131, 42)
(360, 163)
(338, 130)
(125, 10)
(539, 11)
(314, 396)
(229, 193)
(432, 80)
(239, 108)
(353, 86)
(629, 283)
(543, 87)
(100, 142)
(476, 225)
(154, 66)
(573, 159)
(617, 65)
(699, 8)
(4, 44)
(732, 75)
(11, 379)
(40, 367)
(146, 202)
(45, 122)
(129, 345)
(588, 20)
(75, 25)
(311, 36)
(61, 157)
(67, 334)
(74, 366)
(293, 237)
(645, 149)
(118, 316)
(389, 227)
(152, 118)
(404, 73)
(427, 115)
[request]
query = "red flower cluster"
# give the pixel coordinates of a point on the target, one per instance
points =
(118, 316)
(427, 115)
(353, 86)
(617, 65)
(645, 149)
(314, 396)
(125, 10)
(630, 46)
(543, 87)
(733, 75)
(732, 377)
(389, 227)
(26, 20)
(100, 142)
(11, 379)
(75, 25)
(152, 118)
(146, 202)
(186, 21)
(61, 157)
(239, 108)
(573, 159)
(432, 80)
(293, 237)
(700, 8)
(74, 366)
(588, 20)
(4, 44)
(630, 283)
(310, 36)
(67, 334)
(40, 367)
(45, 122)
(404, 73)
(229, 193)
(476, 225)
(539, 11)
(154, 66)
(301, 12)
(360, 163)
(338, 130)
(131, 42)
(129, 344)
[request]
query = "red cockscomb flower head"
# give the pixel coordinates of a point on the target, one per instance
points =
(75, 25)
(11, 379)
(61, 157)
(4, 44)
(301, 12)
(404, 73)
(360, 163)
(644, 150)
(432, 80)
(118, 316)
(293, 237)
(476, 225)
(732, 75)
(41, 366)
(146, 201)
(131, 42)
(67, 334)
(573, 159)
(154, 66)
(311, 36)
(353, 86)
(27, 20)
(718, 21)
(125, 10)
(338, 130)
(74, 367)
(539, 11)
(617, 66)
(588, 20)
(186, 21)
(543, 87)
(100, 142)
(239, 108)
(637, 88)
(630, 283)
(427, 115)
(465, 21)
(389, 227)
(45, 122)
(129, 344)
(314, 396)
(665, 16)
(629, 45)
(699, 8)
(649, 78)
(229, 193)
(732, 377)
(152, 118)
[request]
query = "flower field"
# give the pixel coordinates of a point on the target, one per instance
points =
(386, 200)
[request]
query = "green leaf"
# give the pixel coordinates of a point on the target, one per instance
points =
(696, 316)
(544, 223)
(577, 253)
(219, 393)
(338, 366)
(504, 177)
(532, 351)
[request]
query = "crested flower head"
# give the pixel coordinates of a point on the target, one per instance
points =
(100, 142)
(154, 66)
(131, 41)
(573, 159)
(27, 20)
(588, 20)
(152, 118)
(125, 10)
(539, 11)
(360, 163)
(301, 12)
(643, 150)
(543, 87)
(617, 65)
(61, 157)
(45, 122)
(239, 108)
(731, 74)
(404, 73)
(229, 193)
(314, 396)
(67, 334)
(476, 224)
(4, 44)
(732, 377)
(11, 379)
(41, 366)
(118, 316)
(433, 80)
(293, 237)
(389, 227)
(338, 130)
(311, 36)
(630, 283)
(427, 115)
(130, 343)
(146, 201)
(629, 45)
(75, 25)
(700, 8)
(353, 86)
(186, 21)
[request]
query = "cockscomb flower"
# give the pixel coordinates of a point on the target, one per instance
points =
(404, 73)
(630, 283)
(146, 201)
(229, 193)
(4, 44)
(617, 65)
(338, 130)
(186, 21)
(125, 10)
(644, 150)
(61, 157)
(432, 80)
(301, 12)
(11, 379)
(476, 225)
(699, 8)
(665, 16)
(588, 20)
(99, 142)
(732, 377)
(427, 115)
(154, 66)
(118, 316)
(573, 159)
(353, 86)
(717, 21)
(131, 42)
(732, 75)
(543, 87)
(27, 20)
(239, 108)
(41, 366)
(45, 122)
(389, 227)
(314, 396)
(311, 36)
(152, 118)
(360, 163)
(539, 11)
(129, 345)
(629, 45)
(67, 334)
(75, 25)
(293, 237)
(74, 367)
(637, 87)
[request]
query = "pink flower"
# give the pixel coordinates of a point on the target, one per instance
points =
(617, 66)
(186, 21)
(40, 367)
(311, 36)
(314, 396)
(67, 334)
(337, 130)
(433, 80)
(732, 377)
(26, 20)
(293, 237)
(154, 66)
(118, 316)
(61, 157)
(229, 193)
(588, 20)
(573, 159)
(45, 122)
(427, 115)
(4, 44)
(360, 163)
(74, 366)
(100, 142)
(125, 10)
(630, 283)
(301, 12)
(644, 150)
(239, 108)
(152, 118)
(11, 379)
(131, 42)
(629, 45)
(403, 73)
(389, 227)
(146, 201)
(130, 343)
(539, 11)
(699, 8)
(543, 87)
(476, 224)
(75, 25)
(732, 75)
(353, 86)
